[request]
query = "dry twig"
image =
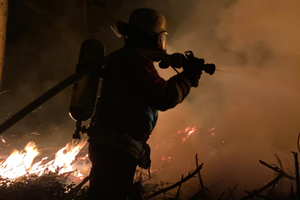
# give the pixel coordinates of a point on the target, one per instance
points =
(222, 195)
(178, 191)
(281, 174)
(297, 174)
(231, 192)
(278, 170)
(164, 190)
(199, 175)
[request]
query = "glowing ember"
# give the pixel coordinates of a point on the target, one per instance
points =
(189, 131)
(182, 134)
(83, 157)
(20, 163)
(3, 140)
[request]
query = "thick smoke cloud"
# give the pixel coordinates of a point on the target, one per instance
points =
(253, 98)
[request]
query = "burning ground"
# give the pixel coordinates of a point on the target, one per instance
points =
(20, 163)
(247, 111)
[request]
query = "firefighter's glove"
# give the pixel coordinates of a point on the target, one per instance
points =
(177, 60)
(193, 70)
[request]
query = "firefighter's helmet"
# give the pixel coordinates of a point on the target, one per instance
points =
(143, 19)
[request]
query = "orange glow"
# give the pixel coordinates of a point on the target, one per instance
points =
(20, 163)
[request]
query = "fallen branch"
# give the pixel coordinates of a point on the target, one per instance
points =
(281, 174)
(278, 170)
(273, 182)
(164, 190)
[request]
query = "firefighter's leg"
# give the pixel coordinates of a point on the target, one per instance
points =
(112, 173)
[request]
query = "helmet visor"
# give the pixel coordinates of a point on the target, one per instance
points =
(162, 37)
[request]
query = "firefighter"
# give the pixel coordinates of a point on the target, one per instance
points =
(132, 94)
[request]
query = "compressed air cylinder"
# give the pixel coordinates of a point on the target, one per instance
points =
(85, 90)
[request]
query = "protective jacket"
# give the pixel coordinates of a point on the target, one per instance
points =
(131, 95)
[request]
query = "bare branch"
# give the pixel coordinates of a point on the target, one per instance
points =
(278, 170)
(281, 174)
(231, 192)
(178, 191)
(176, 184)
(199, 175)
(222, 195)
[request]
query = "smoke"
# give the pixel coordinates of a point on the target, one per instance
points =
(252, 100)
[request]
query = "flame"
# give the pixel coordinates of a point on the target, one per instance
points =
(189, 132)
(20, 163)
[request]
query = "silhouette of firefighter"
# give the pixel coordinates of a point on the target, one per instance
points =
(126, 113)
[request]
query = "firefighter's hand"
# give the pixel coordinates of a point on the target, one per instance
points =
(178, 60)
(193, 70)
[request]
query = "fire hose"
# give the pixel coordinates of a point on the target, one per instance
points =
(39, 101)
(91, 61)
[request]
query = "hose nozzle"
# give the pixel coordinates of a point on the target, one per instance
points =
(209, 68)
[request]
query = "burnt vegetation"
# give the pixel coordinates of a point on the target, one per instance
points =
(49, 186)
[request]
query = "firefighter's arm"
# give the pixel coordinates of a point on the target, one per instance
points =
(162, 94)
